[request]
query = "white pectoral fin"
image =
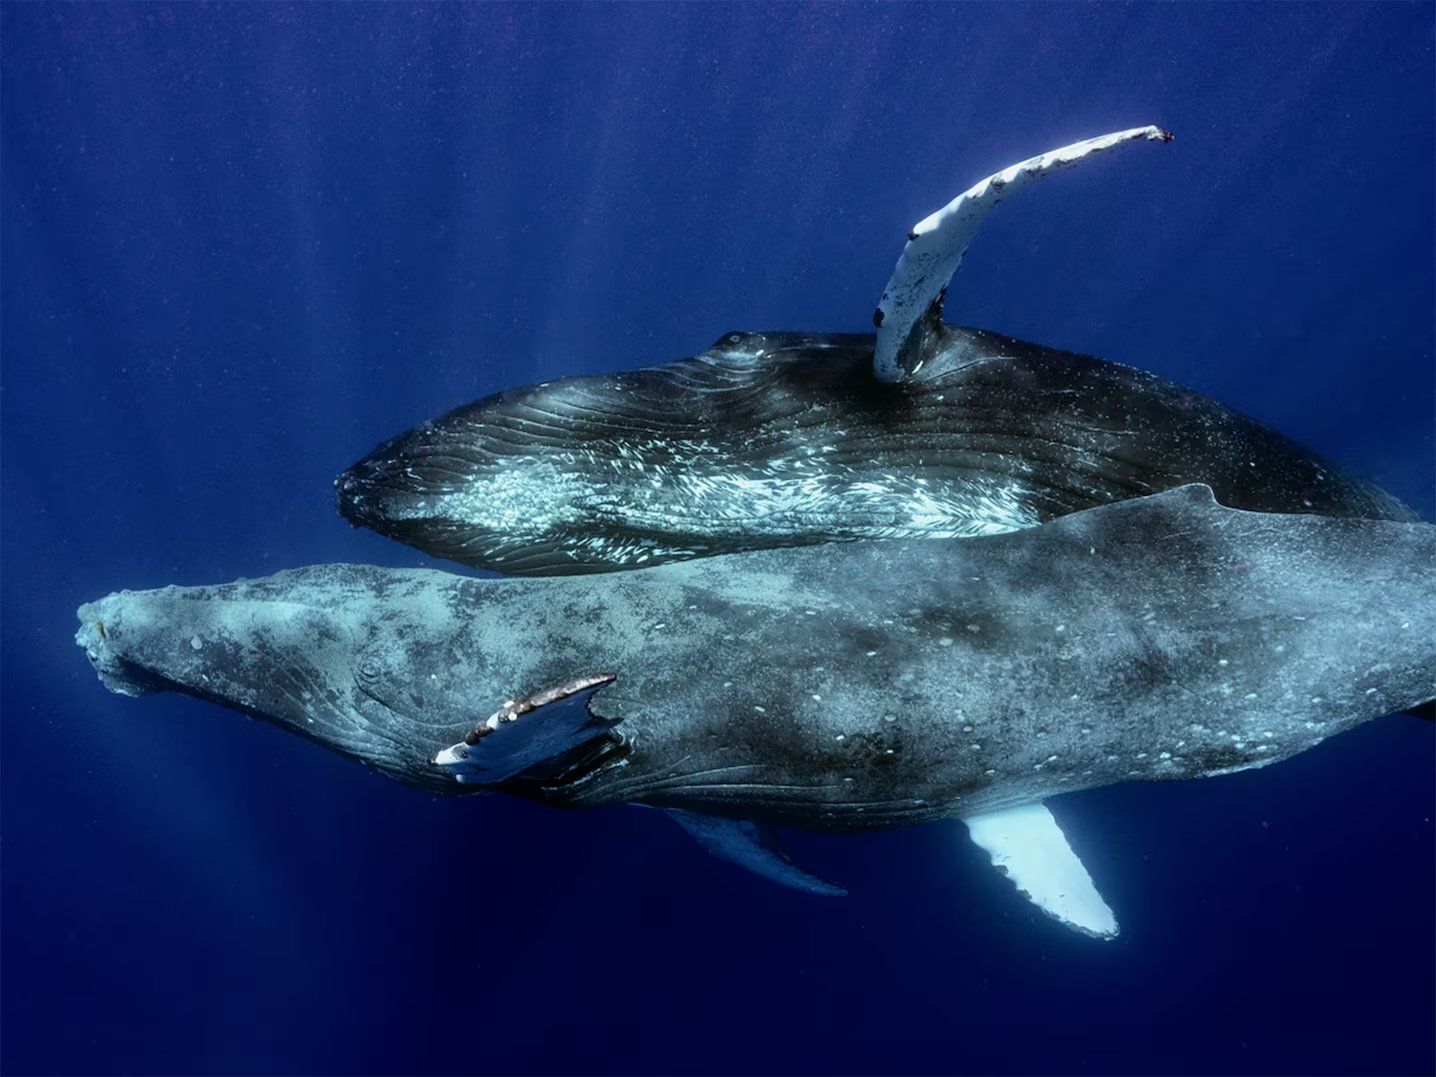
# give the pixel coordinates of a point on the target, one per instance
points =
(1028, 846)
(937, 243)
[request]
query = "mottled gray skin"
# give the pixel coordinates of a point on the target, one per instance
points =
(846, 687)
(786, 439)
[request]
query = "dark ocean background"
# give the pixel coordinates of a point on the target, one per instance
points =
(244, 243)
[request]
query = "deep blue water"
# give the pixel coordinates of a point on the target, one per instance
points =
(242, 244)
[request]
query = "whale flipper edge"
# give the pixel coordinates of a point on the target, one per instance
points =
(1026, 844)
(544, 728)
(753, 846)
(937, 243)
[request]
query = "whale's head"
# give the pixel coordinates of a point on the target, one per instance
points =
(393, 668)
(304, 654)
(500, 483)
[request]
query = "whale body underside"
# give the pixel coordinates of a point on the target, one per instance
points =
(772, 440)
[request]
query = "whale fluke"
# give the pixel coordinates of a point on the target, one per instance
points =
(911, 304)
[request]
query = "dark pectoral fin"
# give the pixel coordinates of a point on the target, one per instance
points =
(752, 846)
(1423, 710)
(547, 725)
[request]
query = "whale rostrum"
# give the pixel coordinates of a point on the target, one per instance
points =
(848, 687)
(786, 439)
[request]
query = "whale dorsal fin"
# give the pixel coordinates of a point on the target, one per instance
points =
(544, 726)
(752, 846)
(935, 246)
(1028, 846)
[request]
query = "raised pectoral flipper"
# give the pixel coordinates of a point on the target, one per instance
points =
(547, 725)
(1028, 846)
(911, 304)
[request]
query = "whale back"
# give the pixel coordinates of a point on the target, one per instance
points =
(771, 440)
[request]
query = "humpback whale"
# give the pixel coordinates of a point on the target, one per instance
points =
(785, 439)
(770, 440)
(849, 687)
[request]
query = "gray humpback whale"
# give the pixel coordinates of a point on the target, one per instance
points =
(850, 687)
(772, 440)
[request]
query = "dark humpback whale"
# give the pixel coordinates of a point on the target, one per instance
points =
(786, 439)
(773, 440)
(850, 687)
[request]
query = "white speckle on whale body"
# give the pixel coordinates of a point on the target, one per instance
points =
(196, 642)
